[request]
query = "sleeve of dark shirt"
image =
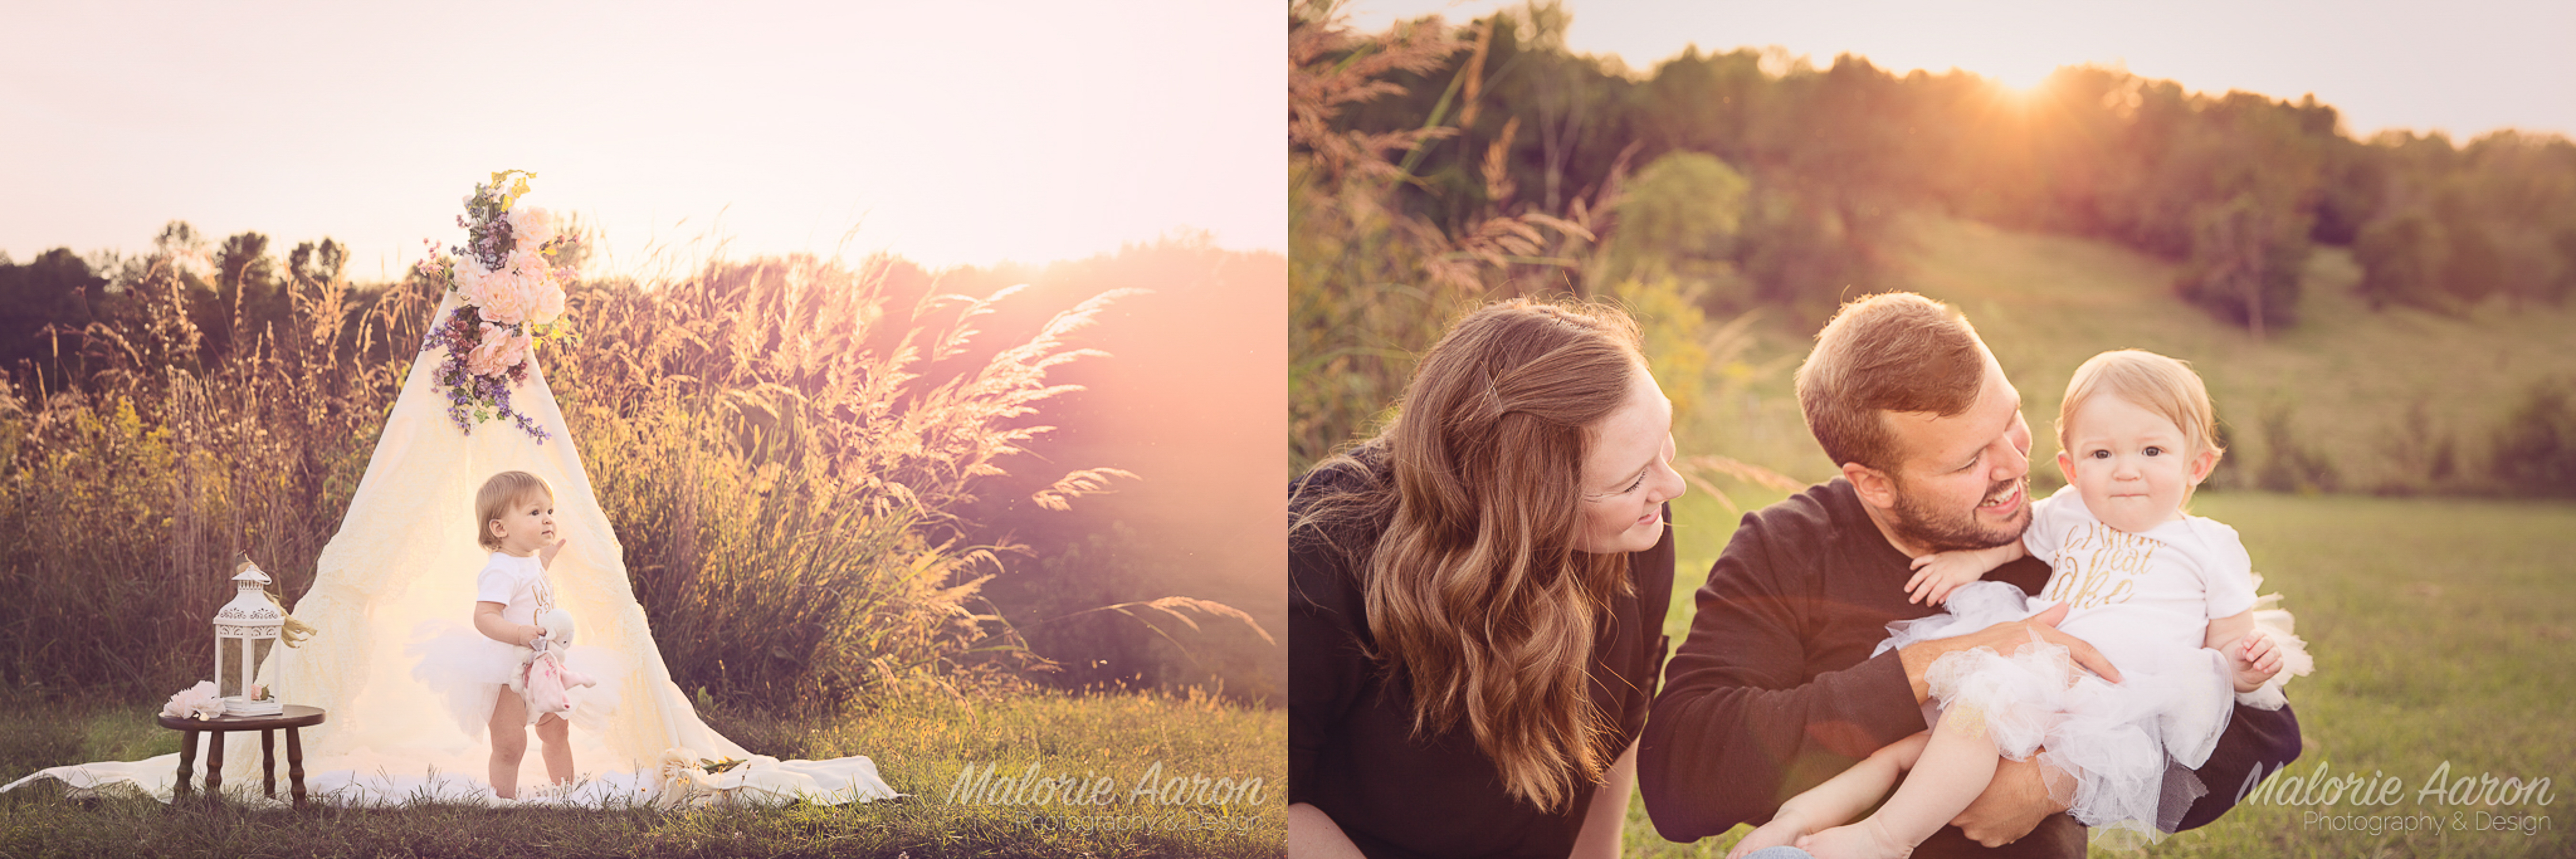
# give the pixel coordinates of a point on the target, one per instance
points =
(1325, 662)
(1739, 727)
(2255, 738)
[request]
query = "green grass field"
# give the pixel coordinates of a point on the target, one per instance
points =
(2441, 630)
(921, 746)
(2442, 627)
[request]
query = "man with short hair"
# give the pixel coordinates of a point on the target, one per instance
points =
(1775, 690)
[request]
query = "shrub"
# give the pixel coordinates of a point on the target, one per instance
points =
(1680, 220)
(774, 584)
(2419, 458)
(2293, 465)
(2402, 258)
(2535, 448)
(2246, 262)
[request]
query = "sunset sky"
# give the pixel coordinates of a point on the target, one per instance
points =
(950, 133)
(971, 133)
(2465, 67)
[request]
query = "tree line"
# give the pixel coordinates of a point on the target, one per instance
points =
(62, 314)
(1771, 181)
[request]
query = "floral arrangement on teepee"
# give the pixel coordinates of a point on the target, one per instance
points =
(508, 280)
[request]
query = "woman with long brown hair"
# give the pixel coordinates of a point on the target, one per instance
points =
(1476, 598)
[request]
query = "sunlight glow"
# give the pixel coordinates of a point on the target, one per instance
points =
(2371, 59)
(951, 135)
(2021, 75)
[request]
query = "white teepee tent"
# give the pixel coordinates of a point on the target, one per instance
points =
(403, 562)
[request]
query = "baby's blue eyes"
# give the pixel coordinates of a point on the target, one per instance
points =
(2152, 450)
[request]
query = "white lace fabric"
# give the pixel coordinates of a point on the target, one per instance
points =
(405, 560)
(2125, 750)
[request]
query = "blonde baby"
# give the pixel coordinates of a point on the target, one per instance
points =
(516, 514)
(2167, 596)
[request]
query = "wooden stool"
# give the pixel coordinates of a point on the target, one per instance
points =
(296, 716)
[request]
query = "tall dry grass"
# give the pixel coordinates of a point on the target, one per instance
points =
(1372, 285)
(787, 449)
(122, 499)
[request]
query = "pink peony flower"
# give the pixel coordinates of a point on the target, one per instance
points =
(531, 226)
(502, 295)
(499, 351)
(195, 702)
(546, 302)
(469, 281)
(540, 293)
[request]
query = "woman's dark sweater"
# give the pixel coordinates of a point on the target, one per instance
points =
(1351, 749)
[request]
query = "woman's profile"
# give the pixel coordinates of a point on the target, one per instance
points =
(1476, 598)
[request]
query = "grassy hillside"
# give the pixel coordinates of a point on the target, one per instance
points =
(2342, 381)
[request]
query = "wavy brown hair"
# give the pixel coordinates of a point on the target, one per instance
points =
(1478, 602)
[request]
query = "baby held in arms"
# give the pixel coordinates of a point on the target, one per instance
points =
(2166, 596)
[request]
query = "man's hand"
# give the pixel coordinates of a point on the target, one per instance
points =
(2014, 803)
(2005, 638)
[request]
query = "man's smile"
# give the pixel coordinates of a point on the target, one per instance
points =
(2002, 499)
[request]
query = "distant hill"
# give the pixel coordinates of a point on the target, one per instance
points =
(2344, 385)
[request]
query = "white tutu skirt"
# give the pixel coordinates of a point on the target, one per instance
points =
(2125, 750)
(470, 672)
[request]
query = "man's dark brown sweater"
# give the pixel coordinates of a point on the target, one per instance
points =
(1775, 690)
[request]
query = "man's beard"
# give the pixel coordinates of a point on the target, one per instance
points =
(1942, 531)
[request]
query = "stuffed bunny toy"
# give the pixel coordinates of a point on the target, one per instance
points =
(542, 678)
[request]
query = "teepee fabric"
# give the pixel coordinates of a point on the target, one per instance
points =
(403, 566)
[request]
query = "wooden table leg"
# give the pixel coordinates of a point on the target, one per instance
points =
(295, 765)
(187, 762)
(215, 765)
(268, 763)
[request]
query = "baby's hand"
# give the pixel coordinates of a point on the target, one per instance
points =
(1780, 831)
(546, 554)
(2254, 660)
(1939, 573)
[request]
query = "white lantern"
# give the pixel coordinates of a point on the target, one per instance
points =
(246, 631)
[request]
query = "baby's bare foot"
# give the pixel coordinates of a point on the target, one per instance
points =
(1864, 840)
